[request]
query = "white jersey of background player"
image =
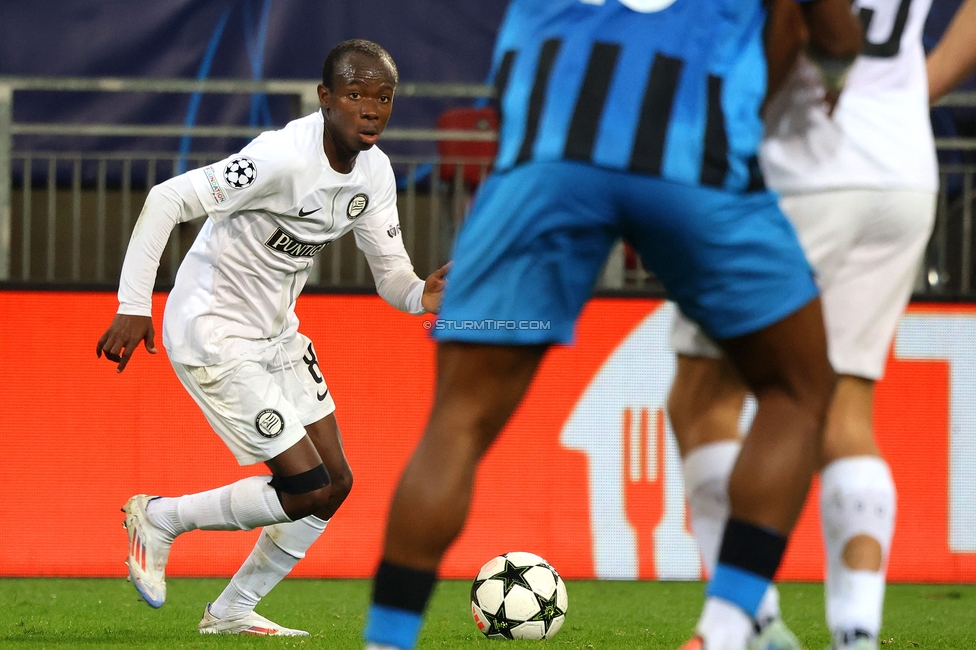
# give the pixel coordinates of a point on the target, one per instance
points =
(859, 184)
(231, 332)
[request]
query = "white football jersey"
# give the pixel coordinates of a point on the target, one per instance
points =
(271, 208)
(880, 135)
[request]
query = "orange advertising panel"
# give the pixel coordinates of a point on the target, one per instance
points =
(586, 474)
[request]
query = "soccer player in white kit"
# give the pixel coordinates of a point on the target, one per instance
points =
(858, 182)
(231, 332)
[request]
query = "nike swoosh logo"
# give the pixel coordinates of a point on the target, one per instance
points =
(322, 396)
(302, 213)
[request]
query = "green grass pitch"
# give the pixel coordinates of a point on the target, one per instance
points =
(56, 613)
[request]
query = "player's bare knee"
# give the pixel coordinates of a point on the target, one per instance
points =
(686, 390)
(710, 416)
(857, 508)
(810, 385)
(305, 493)
(846, 441)
(863, 553)
(815, 389)
(472, 427)
(297, 506)
(341, 486)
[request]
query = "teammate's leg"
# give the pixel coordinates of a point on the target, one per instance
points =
(705, 404)
(282, 545)
(857, 512)
(706, 399)
(866, 246)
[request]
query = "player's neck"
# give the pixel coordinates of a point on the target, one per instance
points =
(340, 159)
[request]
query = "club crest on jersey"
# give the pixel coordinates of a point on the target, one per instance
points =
(356, 205)
(240, 172)
(289, 244)
(269, 423)
(215, 189)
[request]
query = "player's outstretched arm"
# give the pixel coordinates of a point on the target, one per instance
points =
(167, 204)
(954, 58)
(434, 289)
(835, 42)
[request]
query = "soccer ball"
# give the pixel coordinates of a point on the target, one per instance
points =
(518, 596)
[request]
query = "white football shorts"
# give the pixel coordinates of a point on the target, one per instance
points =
(259, 403)
(866, 246)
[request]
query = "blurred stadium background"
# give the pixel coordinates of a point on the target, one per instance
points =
(99, 100)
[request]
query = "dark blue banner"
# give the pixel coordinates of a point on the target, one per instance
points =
(431, 40)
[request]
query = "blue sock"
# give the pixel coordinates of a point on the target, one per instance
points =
(400, 595)
(391, 626)
(742, 588)
(747, 562)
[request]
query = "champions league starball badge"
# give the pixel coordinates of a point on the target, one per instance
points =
(240, 172)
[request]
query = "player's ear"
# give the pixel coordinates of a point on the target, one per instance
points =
(325, 97)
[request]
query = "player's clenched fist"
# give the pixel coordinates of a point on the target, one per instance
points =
(123, 336)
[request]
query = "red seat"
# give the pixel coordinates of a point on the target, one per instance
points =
(468, 119)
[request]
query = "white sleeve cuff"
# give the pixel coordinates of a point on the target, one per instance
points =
(414, 303)
(135, 309)
(396, 282)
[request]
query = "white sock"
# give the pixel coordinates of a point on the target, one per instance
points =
(278, 550)
(706, 472)
(724, 626)
(768, 606)
(857, 497)
(246, 504)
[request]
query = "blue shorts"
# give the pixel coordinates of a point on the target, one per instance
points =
(531, 249)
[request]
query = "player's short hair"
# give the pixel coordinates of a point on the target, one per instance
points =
(360, 46)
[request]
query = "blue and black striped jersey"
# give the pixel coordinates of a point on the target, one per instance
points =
(671, 89)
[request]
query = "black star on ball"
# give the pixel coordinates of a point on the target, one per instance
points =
(512, 575)
(548, 610)
(499, 624)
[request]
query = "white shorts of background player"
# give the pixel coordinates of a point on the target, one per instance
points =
(866, 246)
